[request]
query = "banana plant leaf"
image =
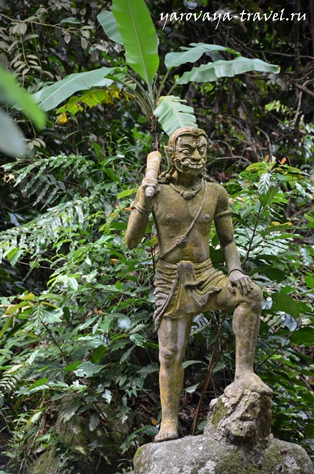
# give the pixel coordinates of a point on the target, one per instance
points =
(139, 37)
(51, 96)
(212, 71)
(11, 139)
(172, 114)
(109, 24)
(11, 93)
(191, 55)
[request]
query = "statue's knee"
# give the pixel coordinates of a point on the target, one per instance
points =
(168, 355)
(256, 296)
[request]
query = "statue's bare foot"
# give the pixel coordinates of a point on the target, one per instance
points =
(168, 430)
(251, 381)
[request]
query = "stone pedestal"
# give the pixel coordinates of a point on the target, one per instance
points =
(236, 440)
(240, 417)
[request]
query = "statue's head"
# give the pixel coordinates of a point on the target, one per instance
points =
(191, 131)
(186, 150)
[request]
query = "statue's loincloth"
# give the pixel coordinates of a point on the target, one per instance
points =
(183, 288)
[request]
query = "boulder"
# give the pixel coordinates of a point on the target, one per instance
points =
(203, 455)
(85, 451)
(236, 440)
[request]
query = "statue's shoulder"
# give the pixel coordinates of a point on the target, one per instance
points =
(216, 189)
(164, 189)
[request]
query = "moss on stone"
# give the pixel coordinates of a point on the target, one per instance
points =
(220, 412)
(202, 455)
(236, 440)
(72, 448)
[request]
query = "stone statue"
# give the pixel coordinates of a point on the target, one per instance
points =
(184, 205)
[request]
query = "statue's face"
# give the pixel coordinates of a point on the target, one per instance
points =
(190, 154)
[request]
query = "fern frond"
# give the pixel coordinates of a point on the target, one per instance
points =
(37, 235)
(39, 177)
(12, 377)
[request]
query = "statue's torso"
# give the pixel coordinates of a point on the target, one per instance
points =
(173, 216)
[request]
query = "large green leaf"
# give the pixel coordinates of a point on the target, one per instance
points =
(11, 138)
(109, 24)
(191, 55)
(172, 114)
(303, 336)
(87, 369)
(309, 281)
(212, 71)
(139, 37)
(50, 317)
(266, 199)
(51, 96)
(283, 302)
(92, 98)
(66, 415)
(11, 93)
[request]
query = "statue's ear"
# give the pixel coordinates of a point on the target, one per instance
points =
(169, 153)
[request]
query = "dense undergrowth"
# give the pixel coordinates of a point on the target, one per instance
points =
(76, 331)
(89, 334)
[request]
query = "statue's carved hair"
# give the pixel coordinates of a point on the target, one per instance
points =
(194, 131)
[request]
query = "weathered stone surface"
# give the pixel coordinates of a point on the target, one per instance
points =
(240, 416)
(4, 447)
(202, 455)
(236, 440)
(75, 438)
(89, 452)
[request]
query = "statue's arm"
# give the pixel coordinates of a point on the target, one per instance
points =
(225, 233)
(141, 208)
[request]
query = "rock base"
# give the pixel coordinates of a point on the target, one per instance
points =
(202, 455)
(240, 417)
(236, 440)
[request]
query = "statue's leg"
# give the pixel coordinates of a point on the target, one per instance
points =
(246, 322)
(173, 336)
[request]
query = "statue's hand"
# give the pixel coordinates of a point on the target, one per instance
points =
(149, 183)
(241, 281)
(144, 199)
(149, 187)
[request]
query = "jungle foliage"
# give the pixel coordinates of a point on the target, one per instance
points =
(76, 305)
